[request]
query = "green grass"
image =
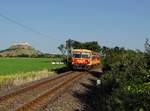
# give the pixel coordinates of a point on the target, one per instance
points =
(9, 66)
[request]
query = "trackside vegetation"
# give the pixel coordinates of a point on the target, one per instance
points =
(126, 80)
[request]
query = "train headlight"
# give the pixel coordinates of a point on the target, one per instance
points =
(87, 61)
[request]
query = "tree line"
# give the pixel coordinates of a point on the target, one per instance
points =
(73, 44)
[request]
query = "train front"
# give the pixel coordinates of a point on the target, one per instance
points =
(81, 59)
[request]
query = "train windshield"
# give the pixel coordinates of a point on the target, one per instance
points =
(77, 55)
(85, 55)
(81, 55)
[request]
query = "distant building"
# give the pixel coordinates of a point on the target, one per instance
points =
(23, 45)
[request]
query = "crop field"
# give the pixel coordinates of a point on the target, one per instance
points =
(17, 71)
(15, 65)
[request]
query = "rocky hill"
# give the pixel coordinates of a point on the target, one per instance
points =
(20, 49)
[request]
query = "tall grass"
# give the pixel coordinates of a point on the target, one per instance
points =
(20, 78)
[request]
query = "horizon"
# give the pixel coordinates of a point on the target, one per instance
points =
(47, 24)
(20, 43)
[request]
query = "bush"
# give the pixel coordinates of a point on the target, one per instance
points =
(125, 83)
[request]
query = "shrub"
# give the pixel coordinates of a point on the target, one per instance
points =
(126, 86)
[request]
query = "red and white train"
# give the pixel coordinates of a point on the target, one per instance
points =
(84, 59)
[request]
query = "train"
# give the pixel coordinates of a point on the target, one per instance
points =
(84, 59)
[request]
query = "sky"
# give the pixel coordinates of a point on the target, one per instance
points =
(124, 23)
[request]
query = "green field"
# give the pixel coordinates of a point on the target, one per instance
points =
(10, 66)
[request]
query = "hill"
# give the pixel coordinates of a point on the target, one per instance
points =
(23, 49)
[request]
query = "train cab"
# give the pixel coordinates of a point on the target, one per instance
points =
(84, 59)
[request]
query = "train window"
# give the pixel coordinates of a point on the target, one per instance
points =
(93, 56)
(77, 55)
(85, 55)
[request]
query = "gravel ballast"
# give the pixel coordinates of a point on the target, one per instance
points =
(78, 97)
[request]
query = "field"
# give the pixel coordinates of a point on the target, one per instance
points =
(17, 71)
(10, 66)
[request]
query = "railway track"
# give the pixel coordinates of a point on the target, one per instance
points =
(30, 97)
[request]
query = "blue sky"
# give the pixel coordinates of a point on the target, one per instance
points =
(110, 22)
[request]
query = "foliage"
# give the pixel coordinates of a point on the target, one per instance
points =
(17, 78)
(62, 49)
(126, 80)
(93, 45)
(72, 44)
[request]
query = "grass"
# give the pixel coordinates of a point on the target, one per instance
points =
(10, 66)
(17, 71)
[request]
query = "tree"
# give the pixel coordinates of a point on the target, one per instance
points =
(94, 46)
(126, 86)
(62, 49)
(73, 44)
(147, 46)
(69, 44)
(77, 45)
